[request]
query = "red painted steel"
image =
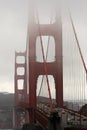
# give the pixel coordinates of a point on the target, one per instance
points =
(42, 118)
(20, 93)
(33, 69)
(36, 68)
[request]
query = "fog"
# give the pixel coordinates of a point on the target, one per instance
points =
(14, 17)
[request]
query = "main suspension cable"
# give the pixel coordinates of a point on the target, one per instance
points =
(44, 61)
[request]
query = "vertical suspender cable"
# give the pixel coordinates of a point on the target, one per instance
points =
(79, 49)
(84, 65)
(78, 44)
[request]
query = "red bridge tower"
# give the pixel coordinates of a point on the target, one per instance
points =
(53, 68)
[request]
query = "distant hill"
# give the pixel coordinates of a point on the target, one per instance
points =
(6, 100)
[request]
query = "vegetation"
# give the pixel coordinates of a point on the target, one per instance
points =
(83, 110)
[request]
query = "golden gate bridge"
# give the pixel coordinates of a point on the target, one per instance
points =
(48, 74)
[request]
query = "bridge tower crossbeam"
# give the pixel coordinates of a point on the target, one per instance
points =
(53, 68)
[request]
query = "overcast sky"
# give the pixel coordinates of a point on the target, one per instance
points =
(13, 33)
